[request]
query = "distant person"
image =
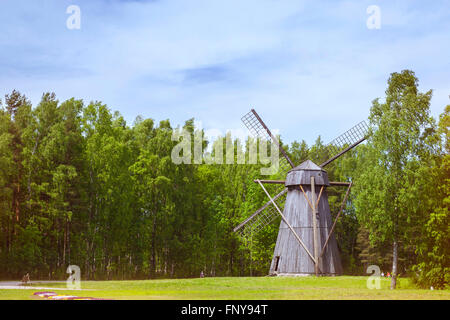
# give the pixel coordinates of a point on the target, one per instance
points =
(26, 279)
(202, 275)
(382, 274)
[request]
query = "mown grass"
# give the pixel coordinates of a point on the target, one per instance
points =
(252, 288)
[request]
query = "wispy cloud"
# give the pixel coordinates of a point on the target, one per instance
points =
(208, 74)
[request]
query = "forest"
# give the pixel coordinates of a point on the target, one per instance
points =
(80, 186)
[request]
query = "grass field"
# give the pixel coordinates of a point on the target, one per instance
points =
(262, 288)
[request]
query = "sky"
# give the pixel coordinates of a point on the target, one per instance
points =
(309, 68)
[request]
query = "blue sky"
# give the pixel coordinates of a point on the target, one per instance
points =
(308, 67)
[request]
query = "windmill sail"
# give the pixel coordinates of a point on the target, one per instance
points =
(262, 217)
(267, 213)
(346, 141)
(258, 129)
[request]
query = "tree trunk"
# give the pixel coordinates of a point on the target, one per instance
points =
(65, 243)
(68, 242)
(394, 265)
(17, 203)
(153, 250)
(231, 259)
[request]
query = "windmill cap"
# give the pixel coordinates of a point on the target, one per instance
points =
(307, 165)
(302, 175)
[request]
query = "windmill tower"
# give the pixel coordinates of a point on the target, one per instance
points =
(305, 244)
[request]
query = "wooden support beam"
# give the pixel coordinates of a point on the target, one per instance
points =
(287, 223)
(320, 194)
(270, 181)
(315, 231)
(332, 183)
(340, 184)
(306, 197)
(337, 217)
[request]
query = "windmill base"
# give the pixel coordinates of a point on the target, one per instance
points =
(302, 274)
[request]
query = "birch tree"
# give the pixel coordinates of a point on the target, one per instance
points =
(385, 202)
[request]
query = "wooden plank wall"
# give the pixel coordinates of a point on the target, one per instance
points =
(293, 258)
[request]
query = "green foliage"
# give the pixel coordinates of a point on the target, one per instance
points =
(433, 267)
(80, 186)
(389, 190)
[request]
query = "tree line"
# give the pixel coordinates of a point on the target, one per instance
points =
(78, 185)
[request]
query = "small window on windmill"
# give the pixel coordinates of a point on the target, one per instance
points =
(277, 260)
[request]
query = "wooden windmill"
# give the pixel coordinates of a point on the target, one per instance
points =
(306, 244)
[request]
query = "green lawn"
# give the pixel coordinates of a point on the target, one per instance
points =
(260, 288)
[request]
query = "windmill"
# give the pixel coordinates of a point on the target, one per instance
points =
(305, 244)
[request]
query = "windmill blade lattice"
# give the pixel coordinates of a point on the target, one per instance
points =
(258, 130)
(255, 127)
(350, 138)
(262, 217)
